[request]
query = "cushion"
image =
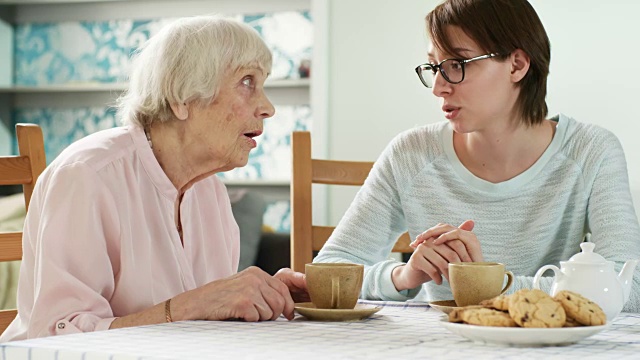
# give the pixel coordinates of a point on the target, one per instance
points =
(12, 213)
(248, 208)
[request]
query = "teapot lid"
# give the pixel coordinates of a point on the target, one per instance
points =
(587, 255)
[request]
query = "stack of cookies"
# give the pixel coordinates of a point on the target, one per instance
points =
(532, 308)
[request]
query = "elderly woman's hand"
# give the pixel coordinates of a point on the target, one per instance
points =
(296, 282)
(251, 295)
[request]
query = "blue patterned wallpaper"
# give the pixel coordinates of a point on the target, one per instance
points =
(91, 51)
(271, 160)
(61, 127)
(98, 52)
(278, 216)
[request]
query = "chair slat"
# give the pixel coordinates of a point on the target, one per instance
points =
(10, 246)
(305, 237)
(15, 170)
(6, 317)
(402, 245)
(20, 170)
(301, 213)
(321, 235)
(340, 172)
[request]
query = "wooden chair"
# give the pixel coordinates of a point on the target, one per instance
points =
(306, 237)
(24, 170)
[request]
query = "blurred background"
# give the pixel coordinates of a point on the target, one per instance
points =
(343, 69)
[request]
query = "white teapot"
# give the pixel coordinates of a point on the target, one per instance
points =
(593, 277)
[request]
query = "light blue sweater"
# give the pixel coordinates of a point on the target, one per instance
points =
(579, 185)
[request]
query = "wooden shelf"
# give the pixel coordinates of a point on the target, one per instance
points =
(45, 2)
(293, 83)
(118, 87)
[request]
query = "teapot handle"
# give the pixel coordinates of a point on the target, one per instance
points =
(536, 279)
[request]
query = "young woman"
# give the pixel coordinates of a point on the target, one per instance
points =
(500, 180)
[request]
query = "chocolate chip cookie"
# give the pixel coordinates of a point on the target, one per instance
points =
(500, 302)
(533, 308)
(581, 309)
(487, 317)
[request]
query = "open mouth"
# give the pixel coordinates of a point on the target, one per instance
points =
(253, 134)
(450, 112)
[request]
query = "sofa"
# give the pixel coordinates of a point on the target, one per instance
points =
(259, 246)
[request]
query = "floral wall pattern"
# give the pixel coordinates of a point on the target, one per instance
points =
(92, 51)
(99, 52)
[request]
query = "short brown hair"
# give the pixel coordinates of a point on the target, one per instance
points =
(501, 26)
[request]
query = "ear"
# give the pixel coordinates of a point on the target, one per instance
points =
(180, 111)
(520, 63)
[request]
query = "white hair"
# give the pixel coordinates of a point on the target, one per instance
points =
(185, 62)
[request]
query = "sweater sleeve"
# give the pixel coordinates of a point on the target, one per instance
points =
(369, 229)
(67, 263)
(612, 219)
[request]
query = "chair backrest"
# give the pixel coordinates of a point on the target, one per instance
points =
(24, 170)
(306, 237)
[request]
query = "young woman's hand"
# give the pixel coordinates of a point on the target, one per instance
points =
(434, 250)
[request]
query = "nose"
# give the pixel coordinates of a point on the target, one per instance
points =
(265, 109)
(441, 87)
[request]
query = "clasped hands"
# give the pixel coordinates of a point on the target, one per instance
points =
(434, 250)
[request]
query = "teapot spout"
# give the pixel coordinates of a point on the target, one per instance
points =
(626, 277)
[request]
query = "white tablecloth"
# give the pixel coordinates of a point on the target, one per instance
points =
(399, 330)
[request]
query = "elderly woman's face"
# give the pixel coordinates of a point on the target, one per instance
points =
(226, 128)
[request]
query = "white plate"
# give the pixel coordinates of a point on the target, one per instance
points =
(516, 336)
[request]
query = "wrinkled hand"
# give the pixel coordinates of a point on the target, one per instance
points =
(252, 295)
(296, 282)
(434, 250)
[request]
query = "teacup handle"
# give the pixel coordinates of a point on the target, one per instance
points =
(335, 292)
(536, 278)
(509, 281)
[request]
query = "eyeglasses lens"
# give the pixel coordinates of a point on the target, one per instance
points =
(452, 70)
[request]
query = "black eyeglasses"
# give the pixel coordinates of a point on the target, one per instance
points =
(452, 70)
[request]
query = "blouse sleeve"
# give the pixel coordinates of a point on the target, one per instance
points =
(70, 256)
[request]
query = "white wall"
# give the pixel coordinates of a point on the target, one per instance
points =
(374, 93)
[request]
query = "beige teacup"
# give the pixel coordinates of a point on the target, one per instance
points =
(334, 285)
(472, 282)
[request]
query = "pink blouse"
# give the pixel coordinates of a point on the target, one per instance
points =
(100, 239)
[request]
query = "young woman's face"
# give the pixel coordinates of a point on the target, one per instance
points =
(487, 95)
(225, 129)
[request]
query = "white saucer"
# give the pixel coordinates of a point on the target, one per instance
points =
(445, 306)
(361, 311)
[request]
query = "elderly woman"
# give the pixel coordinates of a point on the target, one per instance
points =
(128, 226)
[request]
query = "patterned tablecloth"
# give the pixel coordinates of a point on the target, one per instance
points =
(399, 330)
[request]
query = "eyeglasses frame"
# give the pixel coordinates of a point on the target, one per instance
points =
(437, 67)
